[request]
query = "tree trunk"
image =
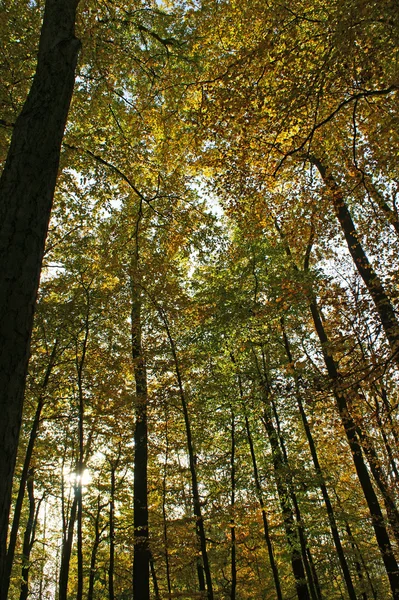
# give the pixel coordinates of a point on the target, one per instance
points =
(141, 557)
(25, 469)
(232, 508)
(26, 193)
(111, 568)
(203, 568)
(164, 515)
(96, 543)
(372, 281)
(66, 551)
(314, 589)
(320, 478)
(283, 494)
(258, 488)
(373, 504)
(259, 494)
(381, 533)
(28, 538)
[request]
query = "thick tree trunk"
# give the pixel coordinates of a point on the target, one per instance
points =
(372, 281)
(26, 192)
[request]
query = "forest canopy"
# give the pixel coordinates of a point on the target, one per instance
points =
(199, 298)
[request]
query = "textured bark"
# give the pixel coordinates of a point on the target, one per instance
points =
(26, 192)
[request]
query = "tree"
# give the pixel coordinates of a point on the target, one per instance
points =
(26, 193)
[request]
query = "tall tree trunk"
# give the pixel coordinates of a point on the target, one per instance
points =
(283, 494)
(141, 556)
(111, 569)
(154, 579)
(370, 496)
(259, 494)
(320, 477)
(377, 519)
(69, 525)
(80, 467)
(204, 567)
(164, 515)
(29, 537)
(232, 508)
(381, 481)
(360, 568)
(98, 531)
(258, 487)
(25, 469)
(372, 281)
(315, 591)
(42, 562)
(314, 588)
(66, 551)
(26, 192)
(283, 491)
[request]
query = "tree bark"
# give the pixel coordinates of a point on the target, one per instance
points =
(26, 191)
